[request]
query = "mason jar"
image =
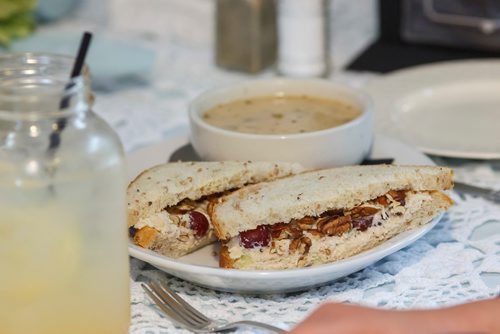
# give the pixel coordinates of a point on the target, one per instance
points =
(63, 235)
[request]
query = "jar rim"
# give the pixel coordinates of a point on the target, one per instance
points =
(17, 65)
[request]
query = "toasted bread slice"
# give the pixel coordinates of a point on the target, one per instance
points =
(313, 193)
(168, 184)
(186, 187)
(423, 207)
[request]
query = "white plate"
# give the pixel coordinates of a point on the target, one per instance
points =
(201, 267)
(450, 109)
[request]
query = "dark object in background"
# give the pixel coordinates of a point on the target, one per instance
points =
(245, 34)
(473, 24)
(391, 52)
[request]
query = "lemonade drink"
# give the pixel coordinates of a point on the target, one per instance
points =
(63, 235)
(63, 269)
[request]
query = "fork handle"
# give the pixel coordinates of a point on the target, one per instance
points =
(252, 324)
(470, 189)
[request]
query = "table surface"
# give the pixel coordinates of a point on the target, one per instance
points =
(453, 263)
(458, 261)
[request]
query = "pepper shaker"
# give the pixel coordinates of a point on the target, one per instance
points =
(245, 34)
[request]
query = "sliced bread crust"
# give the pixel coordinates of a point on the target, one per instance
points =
(312, 193)
(343, 247)
(167, 184)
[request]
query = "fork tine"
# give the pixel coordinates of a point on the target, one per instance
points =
(164, 307)
(179, 309)
(182, 302)
(495, 196)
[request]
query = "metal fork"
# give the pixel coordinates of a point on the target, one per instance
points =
(184, 315)
(489, 194)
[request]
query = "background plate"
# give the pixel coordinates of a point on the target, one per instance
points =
(450, 108)
(201, 267)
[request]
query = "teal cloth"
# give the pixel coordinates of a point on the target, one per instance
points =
(49, 10)
(113, 63)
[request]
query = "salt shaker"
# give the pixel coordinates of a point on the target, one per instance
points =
(302, 34)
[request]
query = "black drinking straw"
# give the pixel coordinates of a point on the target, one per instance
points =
(55, 135)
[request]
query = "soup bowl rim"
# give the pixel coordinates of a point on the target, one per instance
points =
(195, 113)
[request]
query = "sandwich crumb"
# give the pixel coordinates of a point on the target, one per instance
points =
(321, 177)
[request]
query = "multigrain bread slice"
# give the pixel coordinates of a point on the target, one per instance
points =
(325, 249)
(312, 193)
(323, 216)
(167, 204)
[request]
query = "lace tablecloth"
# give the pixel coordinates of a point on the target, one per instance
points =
(457, 261)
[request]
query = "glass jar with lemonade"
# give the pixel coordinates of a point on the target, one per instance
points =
(63, 237)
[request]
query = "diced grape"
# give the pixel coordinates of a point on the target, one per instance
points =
(258, 237)
(362, 223)
(199, 223)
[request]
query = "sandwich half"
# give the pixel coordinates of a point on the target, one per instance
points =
(327, 215)
(167, 204)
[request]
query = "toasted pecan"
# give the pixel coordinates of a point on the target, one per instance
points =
(305, 243)
(335, 226)
(314, 232)
(362, 211)
(398, 196)
(182, 207)
(294, 245)
(382, 200)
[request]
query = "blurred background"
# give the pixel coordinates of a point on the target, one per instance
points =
(159, 26)
(150, 58)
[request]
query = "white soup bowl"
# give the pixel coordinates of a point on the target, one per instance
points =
(345, 144)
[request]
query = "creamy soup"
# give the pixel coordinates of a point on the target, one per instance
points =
(281, 115)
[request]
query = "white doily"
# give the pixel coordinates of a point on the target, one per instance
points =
(454, 263)
(458, 261)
